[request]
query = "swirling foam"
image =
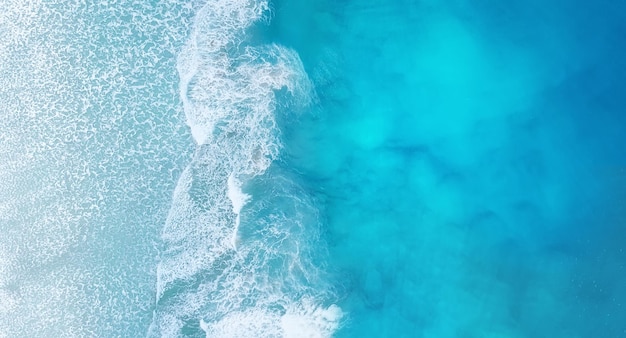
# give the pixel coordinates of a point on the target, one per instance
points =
(232, 269)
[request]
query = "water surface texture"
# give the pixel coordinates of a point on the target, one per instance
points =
(273, 168)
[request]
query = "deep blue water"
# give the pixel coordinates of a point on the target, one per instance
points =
(313, 169)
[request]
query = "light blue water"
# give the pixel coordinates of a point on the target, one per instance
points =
(312, 169)
(92, 142)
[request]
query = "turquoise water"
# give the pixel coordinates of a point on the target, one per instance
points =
(312, 169)
(469, 160)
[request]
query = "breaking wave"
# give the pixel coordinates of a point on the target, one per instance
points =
(241, 245)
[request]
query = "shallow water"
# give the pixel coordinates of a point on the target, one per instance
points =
(312, 169)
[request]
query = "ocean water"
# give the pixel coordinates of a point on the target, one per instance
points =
(270, 168)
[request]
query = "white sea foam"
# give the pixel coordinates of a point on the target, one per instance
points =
(85, 146)
(219, 79)
(238, 199)
(301, 321)
(311, 322)
(221, 272)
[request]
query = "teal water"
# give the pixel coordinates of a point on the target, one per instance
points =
(312, 169)
(470, 162)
